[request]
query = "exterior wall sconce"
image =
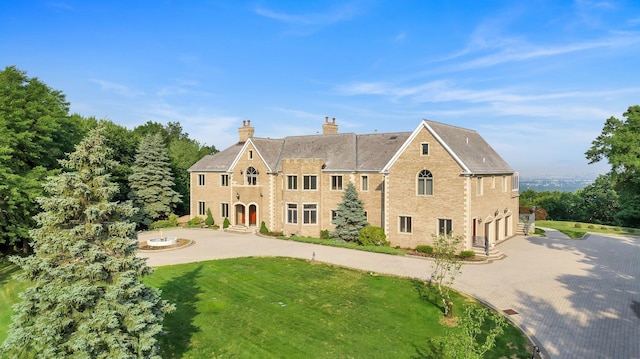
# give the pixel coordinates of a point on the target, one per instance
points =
(479, 220)
(506, 210)
(260, 194)
(237, 195)
(240, 171)
(496, 214)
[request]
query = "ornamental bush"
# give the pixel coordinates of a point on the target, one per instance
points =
(467, 254)
(263, 228)
(424, 249)
(226, 223)
(373, 236)
(209, 220)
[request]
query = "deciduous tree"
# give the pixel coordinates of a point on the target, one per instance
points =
(86, 299)
(619, 144)
(446, 267)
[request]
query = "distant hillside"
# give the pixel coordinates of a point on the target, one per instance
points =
(554, 184)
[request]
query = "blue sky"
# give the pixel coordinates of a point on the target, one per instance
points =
(537, 79)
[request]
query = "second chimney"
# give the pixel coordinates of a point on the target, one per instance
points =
(246, 131)
(329, 128)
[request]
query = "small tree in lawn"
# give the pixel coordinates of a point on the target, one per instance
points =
(85, 298)
(446, 266)
(350, 216)
(151, 181)
(465, 342)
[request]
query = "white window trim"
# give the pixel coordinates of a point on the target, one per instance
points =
(428, 149)
(310, 175)
(364, 178)
(286, 185)
(317, 210)
(202, 208)
(201, 179)
(479, 186)
(286, 209)
(341, 183)
(400, 216)
(222, 214)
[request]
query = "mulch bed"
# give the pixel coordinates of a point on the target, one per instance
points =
(180, 243)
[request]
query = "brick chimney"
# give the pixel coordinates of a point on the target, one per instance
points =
(329, 128)
(246, 131)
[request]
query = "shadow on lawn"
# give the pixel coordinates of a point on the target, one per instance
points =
(7, 270)
(182, 291)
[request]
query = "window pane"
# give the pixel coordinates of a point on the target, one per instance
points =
(425, 148)
(365, 183)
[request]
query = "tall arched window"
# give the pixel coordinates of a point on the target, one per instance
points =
(252, 176)
(425, 183)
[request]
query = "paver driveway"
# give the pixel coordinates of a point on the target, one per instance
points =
(579, 298)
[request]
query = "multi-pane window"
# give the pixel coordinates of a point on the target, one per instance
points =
(292, 183)
(444, 227)
(252, 176)
(336, 183)
(479, 184)
(292, 213)
(224, 180)
(504, 183)
(200, 180)
(310, 182)
(425, 149)
(201, 208)
(364, 184)
(224, 210)
(309, 213)
(405, 224)
(334, 215)
(425, 183)
(515, 182)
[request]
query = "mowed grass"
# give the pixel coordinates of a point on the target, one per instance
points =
(9, 290)
(579, 229)
(290, 308)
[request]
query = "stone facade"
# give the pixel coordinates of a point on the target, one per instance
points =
(436, 179)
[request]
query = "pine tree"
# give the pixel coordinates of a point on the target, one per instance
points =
(350, 216)
(85, 298)
(151, 181)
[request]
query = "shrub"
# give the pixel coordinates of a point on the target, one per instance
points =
(209, 220)
(424, 249)
(617, 229)
(467, 254)
(631, 230)
(263, 228)
(591, 226)
(324, 234)
(603, 227)
(172, 221)
(577, 225)
(226, 223)
(195, 221)
(372, 236)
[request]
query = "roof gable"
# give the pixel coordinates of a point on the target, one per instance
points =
(466, 147)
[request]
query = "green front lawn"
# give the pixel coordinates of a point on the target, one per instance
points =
(578, 229)
(289, 308)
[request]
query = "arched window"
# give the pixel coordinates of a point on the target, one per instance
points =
(252, 176)
(425, 183)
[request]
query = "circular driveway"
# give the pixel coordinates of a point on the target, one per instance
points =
(578, 298)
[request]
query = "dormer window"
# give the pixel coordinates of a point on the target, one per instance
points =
(252, 176)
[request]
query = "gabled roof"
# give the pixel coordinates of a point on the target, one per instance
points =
(219, 162)
(371, 152)
(338, 150)
(466, 147)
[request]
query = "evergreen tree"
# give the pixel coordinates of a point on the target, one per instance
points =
(86, 299)
(151, 180)
(350, 216)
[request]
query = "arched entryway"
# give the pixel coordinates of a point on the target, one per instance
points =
(240, 217)
(253, 215)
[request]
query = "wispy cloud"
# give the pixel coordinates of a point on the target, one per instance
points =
(343, 12)
(119, 89)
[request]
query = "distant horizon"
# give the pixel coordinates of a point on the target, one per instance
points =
(536, 80)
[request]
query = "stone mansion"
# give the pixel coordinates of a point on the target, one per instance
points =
(436, 179)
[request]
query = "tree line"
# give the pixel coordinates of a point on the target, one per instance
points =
(37, 130)
(613, 198)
